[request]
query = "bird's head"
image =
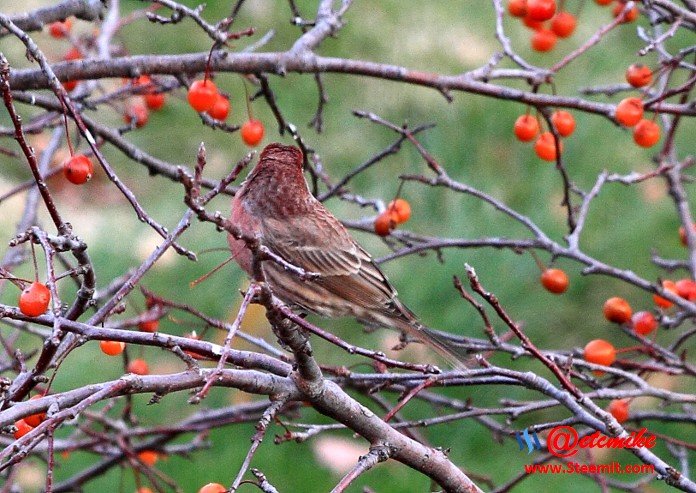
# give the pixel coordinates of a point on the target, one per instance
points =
(276, 184)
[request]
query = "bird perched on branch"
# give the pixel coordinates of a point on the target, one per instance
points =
(274, 204)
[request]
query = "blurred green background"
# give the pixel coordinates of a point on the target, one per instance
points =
(473, 140)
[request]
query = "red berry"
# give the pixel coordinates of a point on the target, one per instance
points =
(517, 8)
(202, 95)
(148, 457)
(643, 323)
(543, 40)
(34, 299)
(630, 16)
(603, 2)
(141, 81)
(60, 29)
(400, 209)
(600, 352)
(155, 101)
(70, 85)
(149, 326)
(686, 288)
(531, 23)
(682, 233)
(136, 114)
(646, 133)
(638, 75)
(22, 429)
(221, 108)
(252, 132)
(138, 366)
(667, 285)
(195, 337)
(213, 488)
(541, 10)
(72, 54)
(563, 24)
(629, 111)
(617, 310)
(545, 147)
(112, 348)
(385, 223)
(563, 122)
(35, 419)
(78, 169)
(554, 280)
(526, 128)
(619, 409)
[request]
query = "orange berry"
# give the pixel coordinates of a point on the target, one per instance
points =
(22, 429)
(667, 285)
(400, 209)
(155, 101)
(541, 10)
(35, 419)
(617, 310)
(143, 80)
(220, 109)
(517, 8)
(643, 323)
(619, 409)
(148, 457)
(34, 299)
(682, 233)
(543, 40)
(686, 288)
(252, 132)
(563, 122)
(112, 348)
(638, 75)
(213, 488)
(136, 114)
(600, 352)
(629, 111)
(202, 95)
(72, 54)
(646, 133)
(526, 128)
(554, 280)
(630, 16)
(70, 85)
(545, 147)
(144, 489)
(78, 169)
(563, 24)
(531, 23)
(385, 223)
(138, 366)
(195, 337)
(60, 29)
(149, 326)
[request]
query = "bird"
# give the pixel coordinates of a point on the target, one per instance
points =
(275, 206)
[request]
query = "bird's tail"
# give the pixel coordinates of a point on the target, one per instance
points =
(456, 356)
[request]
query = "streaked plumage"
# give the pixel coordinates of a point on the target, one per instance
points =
(275, 205)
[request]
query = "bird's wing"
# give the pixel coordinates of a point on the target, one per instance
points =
(322, 245)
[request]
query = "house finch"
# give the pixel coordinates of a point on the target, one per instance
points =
(274, 204)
